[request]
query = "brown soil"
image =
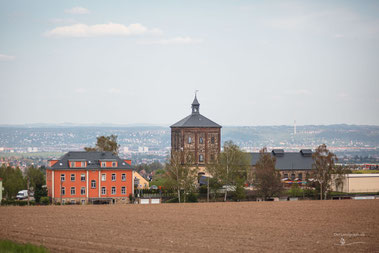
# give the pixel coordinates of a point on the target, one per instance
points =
(315, 226)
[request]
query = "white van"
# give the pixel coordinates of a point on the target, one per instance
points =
(22, 194)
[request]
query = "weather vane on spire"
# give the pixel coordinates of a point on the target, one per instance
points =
(196, 91)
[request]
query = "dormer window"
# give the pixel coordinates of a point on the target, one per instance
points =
(83, 164)
(114, 164)
(72, 164)
(103, 164)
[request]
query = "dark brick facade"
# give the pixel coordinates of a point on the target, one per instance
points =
(197, 137)
(202, 144)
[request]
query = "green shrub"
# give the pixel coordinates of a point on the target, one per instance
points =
(44, 200)
(173, 200)
(11, 202)
(240, 193)
(192, 198)
(10, 247)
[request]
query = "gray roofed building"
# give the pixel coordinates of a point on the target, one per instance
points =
(195, 119)
(93, 160)
(295, 161)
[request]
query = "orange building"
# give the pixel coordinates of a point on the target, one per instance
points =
(89, 177)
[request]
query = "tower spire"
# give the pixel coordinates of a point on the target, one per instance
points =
(195, 104)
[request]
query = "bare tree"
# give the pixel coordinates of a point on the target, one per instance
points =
(179, 176)
(266, 177)
(231, 168)
(323, 165)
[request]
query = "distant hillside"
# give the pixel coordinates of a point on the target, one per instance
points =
(157, 138)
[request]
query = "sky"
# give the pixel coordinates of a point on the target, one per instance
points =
(131, 62)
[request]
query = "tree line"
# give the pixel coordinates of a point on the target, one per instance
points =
(233, 171)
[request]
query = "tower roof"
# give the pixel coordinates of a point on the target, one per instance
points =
(195, 102)
(195, 119)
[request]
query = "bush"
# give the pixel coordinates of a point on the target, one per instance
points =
(11, 202)
(203, 189)
(295, 191)
(192, 198)
(240, 193)
(44, 201)
(174, 200)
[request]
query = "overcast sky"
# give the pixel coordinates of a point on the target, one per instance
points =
(253, 62)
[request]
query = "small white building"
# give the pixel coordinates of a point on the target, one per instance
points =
(355, 183)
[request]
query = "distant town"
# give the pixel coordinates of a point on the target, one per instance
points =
(23, 146)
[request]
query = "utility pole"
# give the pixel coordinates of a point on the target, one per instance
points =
(208, 190)
(27, 190)
(61, 189)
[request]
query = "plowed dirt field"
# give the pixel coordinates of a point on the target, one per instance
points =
(313, 226)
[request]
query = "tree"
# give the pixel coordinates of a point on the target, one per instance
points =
(266, 177)
(36, 181)
(179, 176)
(323, 165)
(105, 143)
(13, 181)
(231, 168)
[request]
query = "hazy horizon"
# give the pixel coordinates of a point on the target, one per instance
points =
(254, 63)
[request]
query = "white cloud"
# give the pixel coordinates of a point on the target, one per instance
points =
(174, 41)
(298, 92)
(4, 57)
(110, 29)
(80, 90)
(114, 91)
(77, 10)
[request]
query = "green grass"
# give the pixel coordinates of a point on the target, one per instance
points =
(12, 247)
(364, 171)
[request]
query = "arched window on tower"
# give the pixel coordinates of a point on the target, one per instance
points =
(201, 158)
(189, 140)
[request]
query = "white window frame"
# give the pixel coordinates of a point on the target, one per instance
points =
(114, 164)
(123, 177)
(123, 190)
(83, 177)
(103, 177)
(63, 177)
(189, 140)
(82, 191)
(72, 176)
(113, 192)
(83, 164)
(72, 164)
(73, 188)
(113, 177)
(63, 190)
(93, 182)
(103, 164)
(103, 190)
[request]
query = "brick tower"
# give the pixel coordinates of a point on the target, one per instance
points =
(197, 136)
